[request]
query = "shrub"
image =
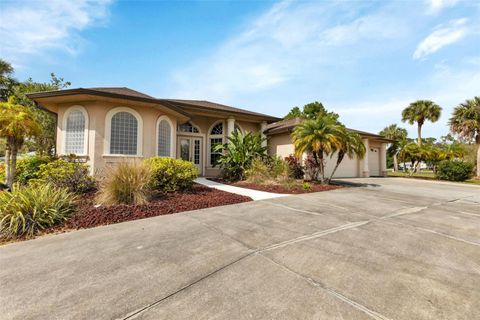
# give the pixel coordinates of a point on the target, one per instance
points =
(2, 172)
(272, 170)
(64, 174)
(306, 186)
(27, 210)
(239, 153)
(454, 170)
(171, 174)
(295, 166)
(125, 183)
(312, 170)
(29, 168)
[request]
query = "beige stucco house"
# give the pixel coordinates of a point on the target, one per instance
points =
(107, 125)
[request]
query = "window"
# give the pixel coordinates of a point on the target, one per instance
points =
(216, 138)
(123, 133)
(75, 126)
(187, 127)
(164, 137)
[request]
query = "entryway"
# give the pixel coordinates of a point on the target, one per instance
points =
(190, 149)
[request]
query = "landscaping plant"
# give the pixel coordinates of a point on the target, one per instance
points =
(67, 174)
(295, 166)
(239, 153)
(169, 174)
(454, 170)
(465, 122)
(28, 168)
(27, 210)
(126, 183)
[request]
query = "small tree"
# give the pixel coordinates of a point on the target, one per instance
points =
(17, 123)
(398, 134)
(351, 145)
(320, 137)
(465, 122)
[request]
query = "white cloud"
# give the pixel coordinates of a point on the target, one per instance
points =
(435, 6)
(441, 37)
(32, 27)
(283, 45)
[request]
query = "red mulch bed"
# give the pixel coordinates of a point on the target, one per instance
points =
(200, 197)
(275, 188)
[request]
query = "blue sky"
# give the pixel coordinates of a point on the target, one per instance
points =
(365, 60)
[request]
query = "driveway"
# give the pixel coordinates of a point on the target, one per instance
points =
(386, 248)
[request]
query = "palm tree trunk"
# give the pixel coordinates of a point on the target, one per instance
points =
(395, 162)
(322, 168)
(419, 130)
(339, 160)
(7, 166)
(478, 156)
(13, 166)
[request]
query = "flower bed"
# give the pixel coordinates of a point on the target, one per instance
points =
(199, 197)
(86, 215)
(279, 188)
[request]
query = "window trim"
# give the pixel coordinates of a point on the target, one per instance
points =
(108, 129)
(64, 129)
(172, 133)
(211, 136)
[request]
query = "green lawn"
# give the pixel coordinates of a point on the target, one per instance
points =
(427, 175)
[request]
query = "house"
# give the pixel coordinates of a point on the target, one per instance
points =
(107, 125)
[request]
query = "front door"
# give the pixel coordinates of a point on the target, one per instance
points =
(190, 149)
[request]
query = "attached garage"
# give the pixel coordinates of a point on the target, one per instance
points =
(373, 164)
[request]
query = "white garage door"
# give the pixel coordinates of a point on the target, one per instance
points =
(348, 168)
(374, 161)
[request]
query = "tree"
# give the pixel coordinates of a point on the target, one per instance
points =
(398, 134)
(320, 137)
(351, 146)
(17, 123)
(6, 80)
(465, 122)
(420, 111)
(45, 143)
(310, 111)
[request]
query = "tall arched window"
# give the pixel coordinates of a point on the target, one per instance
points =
(164, 137)
(215, 138)
(76, 129)
(123, 132)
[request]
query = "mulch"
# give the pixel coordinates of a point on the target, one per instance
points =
(87, 215)
(277, 188)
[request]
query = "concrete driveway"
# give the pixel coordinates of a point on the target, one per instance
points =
(385, 249)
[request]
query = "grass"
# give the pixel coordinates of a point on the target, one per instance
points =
(426, 175)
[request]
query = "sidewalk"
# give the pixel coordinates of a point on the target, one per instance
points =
(254, 194)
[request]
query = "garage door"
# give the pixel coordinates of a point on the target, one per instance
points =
(348, 168)
(374, 162)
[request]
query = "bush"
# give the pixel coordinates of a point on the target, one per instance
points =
(28, 168)
(239, 153)
(295, 166)
(454, 170)
(27, 210)
(273, 170)
(312, 170)
(64, 174)
(125, 183)
(2, 172)
(171, 174)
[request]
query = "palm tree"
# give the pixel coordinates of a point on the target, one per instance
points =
(320, 137)
(419, 111)
(398, 134)
(465, 122)
(17, 123)
(6, 80)
(351, 146)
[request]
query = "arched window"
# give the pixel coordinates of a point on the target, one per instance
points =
(164, 137)
(187, 127)
(76, 129)
(123, 132)
(216, 138)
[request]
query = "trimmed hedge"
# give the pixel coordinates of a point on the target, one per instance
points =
(171, 174)
(454, 170)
